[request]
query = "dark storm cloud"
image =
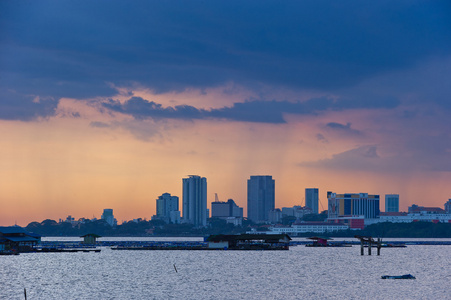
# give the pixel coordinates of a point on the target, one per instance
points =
(346, 129)
(74, 49)
(15, 106)
(249, 111)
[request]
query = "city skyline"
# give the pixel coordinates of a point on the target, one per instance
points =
(111, 107)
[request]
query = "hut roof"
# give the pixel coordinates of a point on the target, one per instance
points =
(19, 239)
(91, 234)
(17, 230)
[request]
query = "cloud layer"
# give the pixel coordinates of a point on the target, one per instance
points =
(250, 111)
(65, 49)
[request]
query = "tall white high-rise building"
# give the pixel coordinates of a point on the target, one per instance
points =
(195, 200)
(109, 217)
(392, 203)
(260, 198)
(312, 199)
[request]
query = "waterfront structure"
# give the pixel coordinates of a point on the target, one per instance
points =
(16, 239)
(307, 227)
(109, 217)
(260, 198)
(195, 200)
(249, 242)
(312, 199)
(168, 208)
(90, 238)
(418, 216)
(351, 205)
(392, 203)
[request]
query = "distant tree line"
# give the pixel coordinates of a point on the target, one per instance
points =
(135, 228)
(219, 226)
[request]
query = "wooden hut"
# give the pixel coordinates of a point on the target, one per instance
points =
(90, 238)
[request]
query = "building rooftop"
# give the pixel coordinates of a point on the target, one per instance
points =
(393, 214)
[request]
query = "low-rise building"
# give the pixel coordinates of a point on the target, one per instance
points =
(275, 216)
(415, 217)
(296, 211)
(17, 239)
(228, 211)
(249, 242)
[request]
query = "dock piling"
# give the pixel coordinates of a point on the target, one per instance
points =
(379, 245)
(370, 241)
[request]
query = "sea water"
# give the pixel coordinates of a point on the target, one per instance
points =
(301, 272)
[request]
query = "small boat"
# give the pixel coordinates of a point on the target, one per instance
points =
(406, 276)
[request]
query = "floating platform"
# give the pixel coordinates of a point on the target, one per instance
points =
(406, 276)
(243, 248)
(52, 250)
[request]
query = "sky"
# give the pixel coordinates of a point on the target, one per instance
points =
(109, 104)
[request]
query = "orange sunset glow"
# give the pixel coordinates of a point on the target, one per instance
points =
(99, 114)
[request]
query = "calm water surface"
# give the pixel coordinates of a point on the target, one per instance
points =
(301, 272)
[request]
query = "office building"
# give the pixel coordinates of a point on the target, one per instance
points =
(260, 198)
(226, 209)
(109, 217)
(392, 203)
(350, 205)
(195, 200)
(168, 208)
(312, 199)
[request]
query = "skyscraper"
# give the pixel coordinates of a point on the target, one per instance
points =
(168, 208)
(260, 198)
(109, 217)
(311, 199)
(392, 203)
(195, 200)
